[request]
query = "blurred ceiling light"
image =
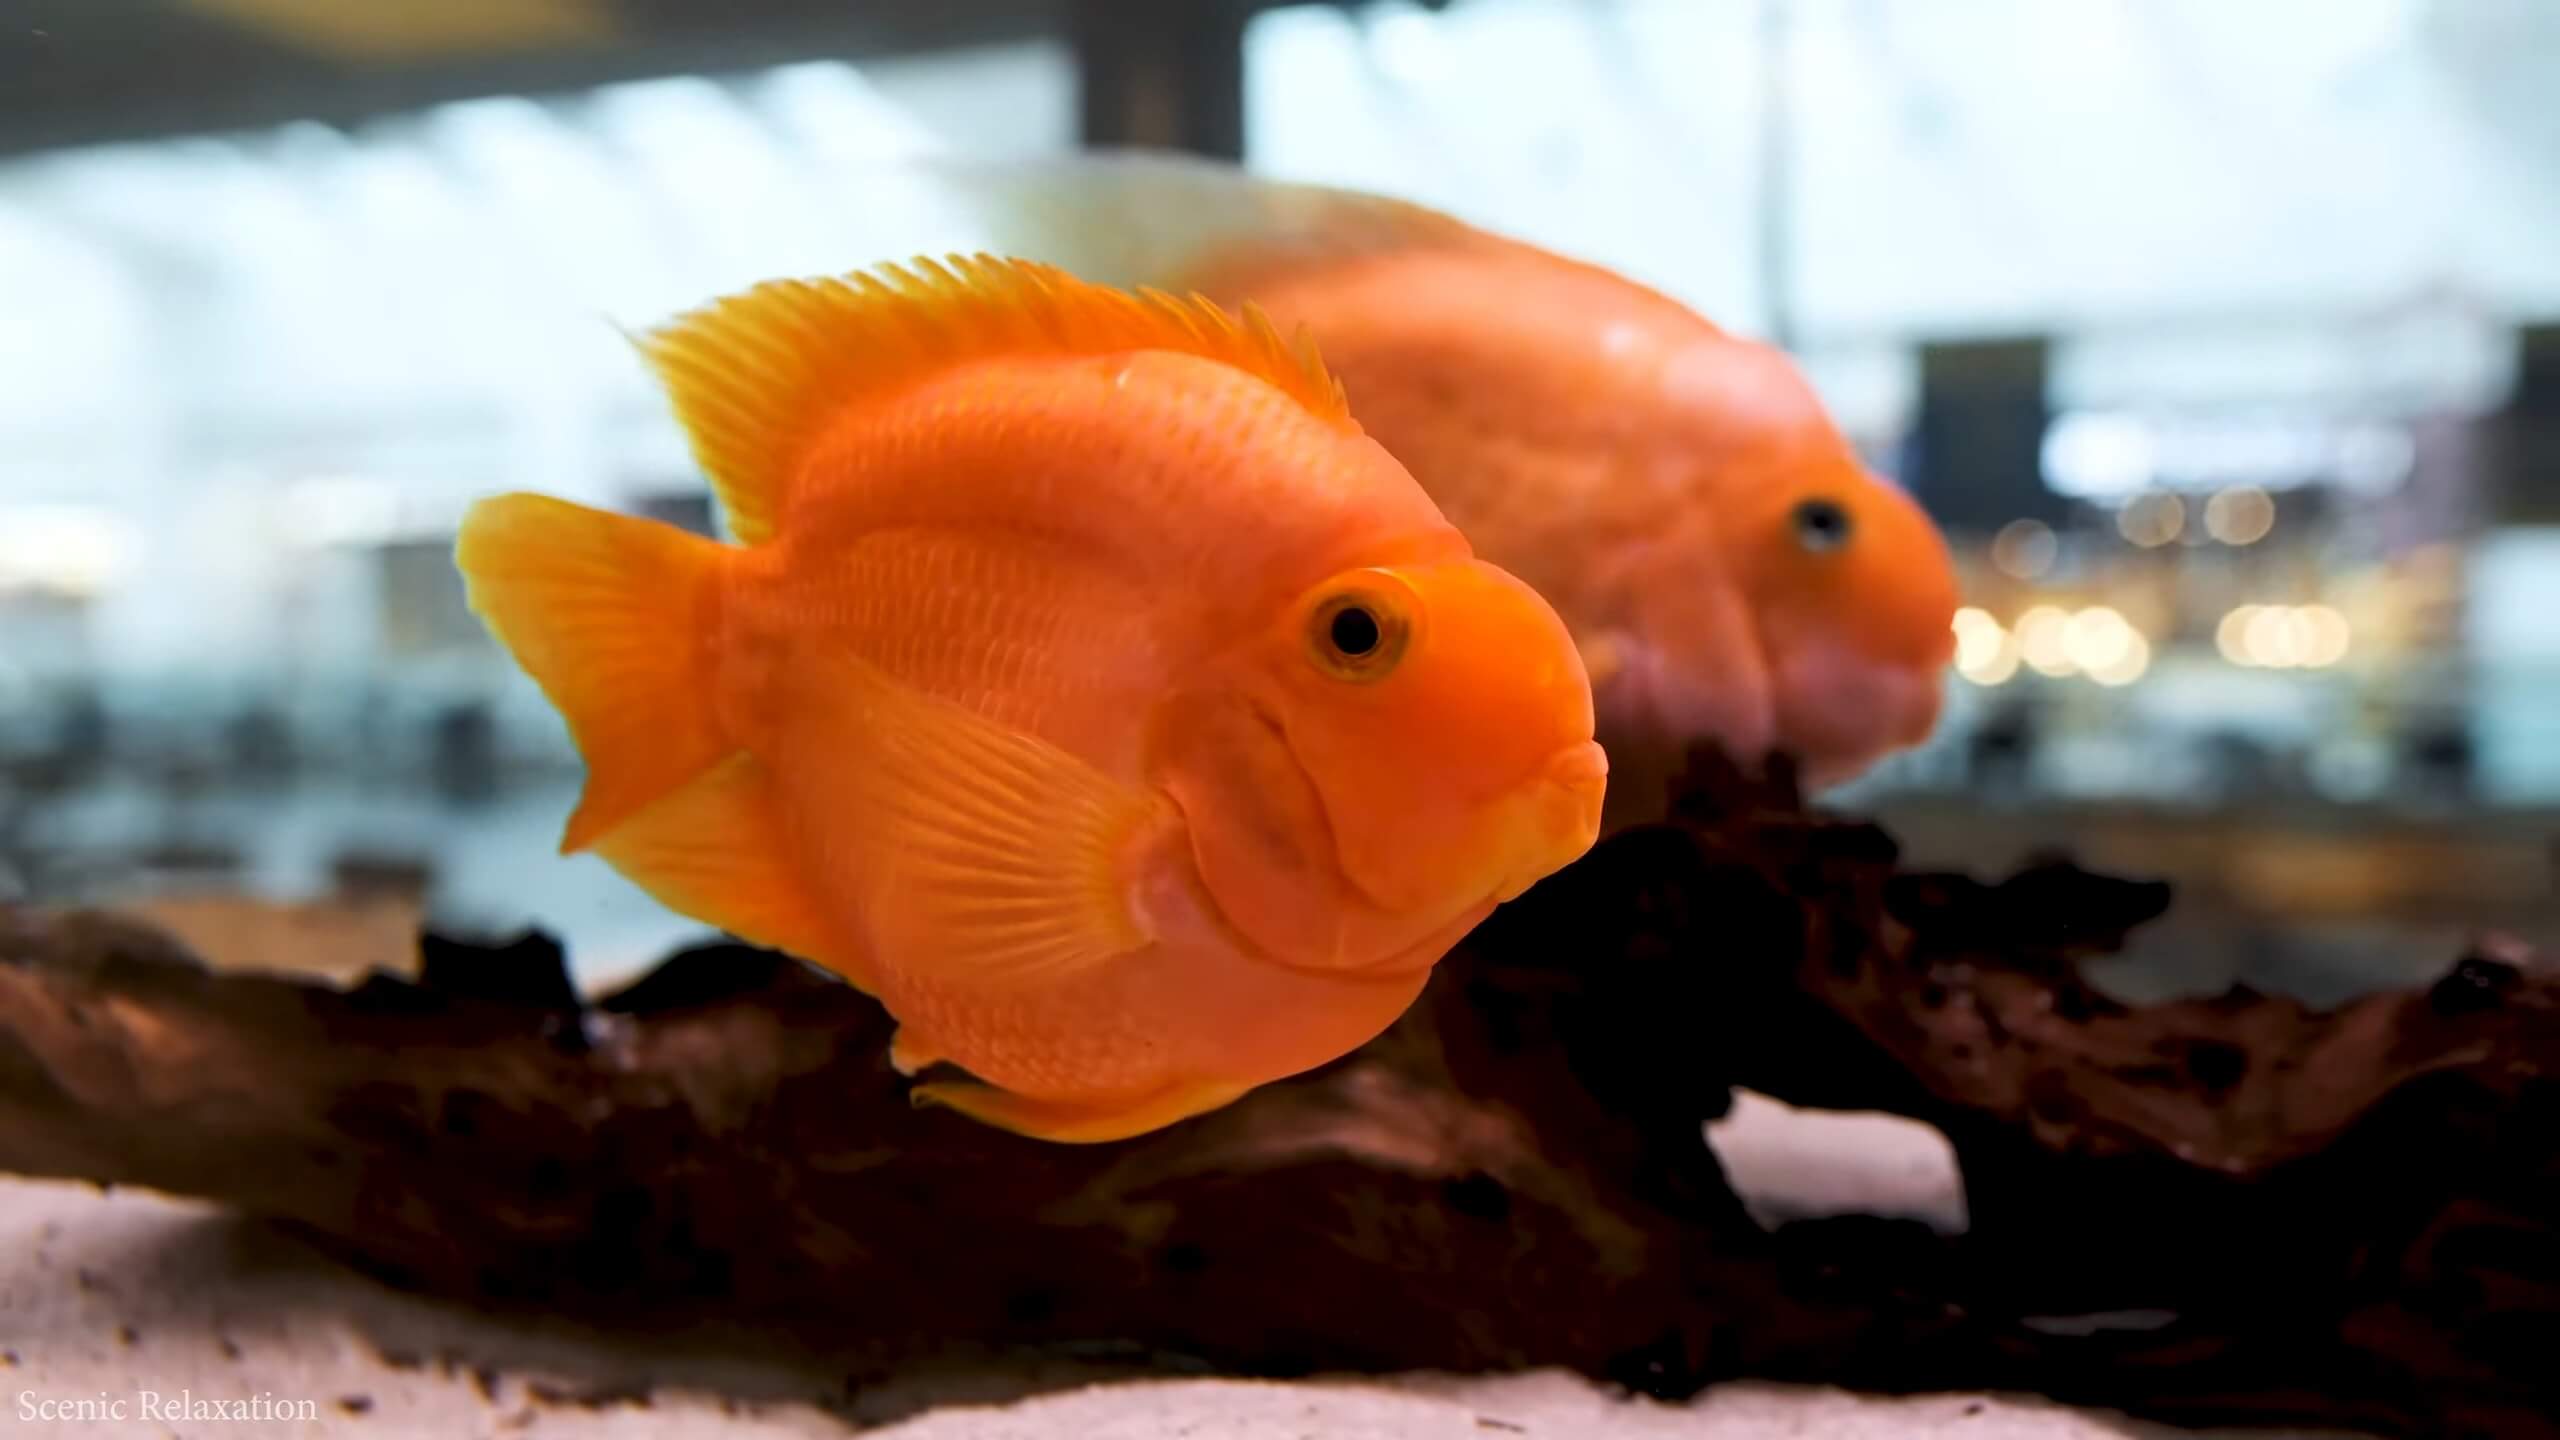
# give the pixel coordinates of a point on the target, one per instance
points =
(699, 118)
(2240, 516)
(73, 550)
(835, 112)
(2245, 450)
(498, 130)
(306, 145)
(2098, 638)
(378, 30)
(2152, 520)
(2375, 459)
(2126, 665)
(1406, 43)
(331, 510)
(2043, 639)
(1986, 653)
(2096, 455)
(2024, 549)
(732, 208)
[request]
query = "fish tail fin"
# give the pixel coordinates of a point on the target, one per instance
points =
(611, 615)
(1150, 218)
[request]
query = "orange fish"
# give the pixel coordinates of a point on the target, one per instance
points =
(1085, 686)
(1729, 567)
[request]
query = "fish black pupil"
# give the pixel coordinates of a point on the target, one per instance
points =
(1822, 524)
(1355, 631)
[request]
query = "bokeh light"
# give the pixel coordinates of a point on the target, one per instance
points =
(1986, 653)
(2043, 639)
(2273, 639)
(2284, 637)
(2098, 639)
(2126, 665)
(2152, 520)
(2025, 549)
(2240, 516)
(2325, 637)
(2231, 637)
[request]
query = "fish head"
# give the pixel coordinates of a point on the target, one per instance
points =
(1853, 595)
(1425, 752)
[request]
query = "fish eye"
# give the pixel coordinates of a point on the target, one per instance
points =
(1820, 525)
(1357, 635)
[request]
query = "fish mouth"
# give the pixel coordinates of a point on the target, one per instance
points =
(1558, 819)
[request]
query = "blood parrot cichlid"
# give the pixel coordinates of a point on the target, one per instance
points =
(1085, 685)
(1730, 568)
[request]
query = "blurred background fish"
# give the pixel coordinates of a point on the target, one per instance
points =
(1733, 571)
(1086, 686)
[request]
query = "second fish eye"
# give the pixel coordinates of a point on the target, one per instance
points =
(1821, 525)
(1356, 637)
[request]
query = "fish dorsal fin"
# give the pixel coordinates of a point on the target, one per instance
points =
(758, 377)
(1182, 222)
(1140, 217)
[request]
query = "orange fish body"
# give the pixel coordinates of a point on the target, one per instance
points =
(1088, 688)
(1730, 568)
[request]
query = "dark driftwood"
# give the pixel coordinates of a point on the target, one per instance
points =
(2274, 1214)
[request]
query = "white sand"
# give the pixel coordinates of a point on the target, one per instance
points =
(103, 1298)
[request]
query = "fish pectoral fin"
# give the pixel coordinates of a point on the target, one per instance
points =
(713, 849)
(1000, 857)
(1078, 1123)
